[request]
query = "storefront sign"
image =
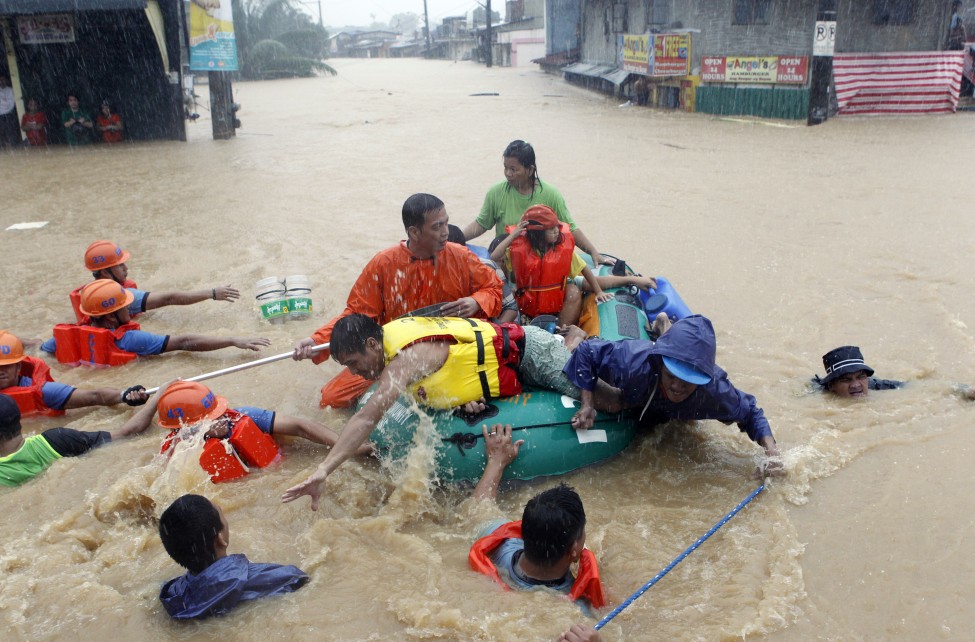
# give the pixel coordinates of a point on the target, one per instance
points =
(46, 29)
(671, 54)
(213, 46)
(789, 70)
(636, 53)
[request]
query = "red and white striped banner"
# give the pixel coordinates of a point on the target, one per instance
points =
(919, 82)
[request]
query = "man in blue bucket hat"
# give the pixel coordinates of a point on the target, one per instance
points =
(673, 378)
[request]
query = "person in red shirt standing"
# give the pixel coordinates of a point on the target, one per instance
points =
(34, 124)
(109, 124)
(421, 271)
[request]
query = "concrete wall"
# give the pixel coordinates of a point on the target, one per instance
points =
(562, 25)
(524, 46)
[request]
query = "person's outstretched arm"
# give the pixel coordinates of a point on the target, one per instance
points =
(411, 365)
(310, 430)
(141, 420)
(84, 397)
(201, 343)
(156, 300)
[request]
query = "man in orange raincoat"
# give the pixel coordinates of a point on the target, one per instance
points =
(423, 270)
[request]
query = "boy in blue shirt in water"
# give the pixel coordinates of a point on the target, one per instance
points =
(196, 535)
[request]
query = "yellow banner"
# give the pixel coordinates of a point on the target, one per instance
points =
(636, 53)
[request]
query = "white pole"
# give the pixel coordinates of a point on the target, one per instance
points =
(243, 366)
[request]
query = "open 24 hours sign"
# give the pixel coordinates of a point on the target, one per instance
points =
(791, 70)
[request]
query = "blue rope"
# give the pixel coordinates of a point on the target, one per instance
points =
(690, 549)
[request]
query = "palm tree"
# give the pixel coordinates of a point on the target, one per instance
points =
(276, 39)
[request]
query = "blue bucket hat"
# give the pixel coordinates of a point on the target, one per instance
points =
(685, 371)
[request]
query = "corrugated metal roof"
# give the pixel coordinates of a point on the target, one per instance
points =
(8, 7)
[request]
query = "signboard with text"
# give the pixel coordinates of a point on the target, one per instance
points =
(46, 29)
(788, 70)
(213, 45)
(671, 54)
(636, 53)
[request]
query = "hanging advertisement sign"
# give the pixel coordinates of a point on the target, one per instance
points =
(671, 54)
(636, 53)
(46, 29)
(788, 70)
(213, 46)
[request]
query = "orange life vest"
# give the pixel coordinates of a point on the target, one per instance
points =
(232, 458)
(540, 280)
(86, 345)
(587, 583)
(30, 399)
(75, 297)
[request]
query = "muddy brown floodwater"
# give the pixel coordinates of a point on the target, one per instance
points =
(793, 240)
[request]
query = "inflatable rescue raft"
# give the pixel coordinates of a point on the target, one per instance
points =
(541, 417)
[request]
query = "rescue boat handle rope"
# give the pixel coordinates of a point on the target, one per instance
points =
(243, 366)
(643, 589)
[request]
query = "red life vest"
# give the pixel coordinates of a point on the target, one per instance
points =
(86, 345)
(540, 280)
(232, 458)
(30, 399)
(75, 297)
(587, 583)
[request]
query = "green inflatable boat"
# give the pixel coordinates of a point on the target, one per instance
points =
(540, 417)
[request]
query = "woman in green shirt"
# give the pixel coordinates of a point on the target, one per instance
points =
(506, 201)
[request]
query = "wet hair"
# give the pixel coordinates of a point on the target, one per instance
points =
(456, 235)
(9, 418)
(416, 207)
(524, 153)
(71, 94)
(188, 529)
(551, 523)
(350, 334)
(536, 238)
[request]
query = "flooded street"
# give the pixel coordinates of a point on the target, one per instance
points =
(793, 240)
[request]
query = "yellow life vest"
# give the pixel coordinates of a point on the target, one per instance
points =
(471, 370)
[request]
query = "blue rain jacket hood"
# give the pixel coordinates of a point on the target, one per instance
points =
(634, 367)
(226, 583)
(692, 340)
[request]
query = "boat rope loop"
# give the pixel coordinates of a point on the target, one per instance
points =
(467, 440)
(690, 549)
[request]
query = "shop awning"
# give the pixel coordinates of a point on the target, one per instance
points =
(9, 7)
(583, 69)
(617, 76)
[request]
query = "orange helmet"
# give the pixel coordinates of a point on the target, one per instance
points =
(102, 255)
(11, 349)
(187, 402)
(104, 296)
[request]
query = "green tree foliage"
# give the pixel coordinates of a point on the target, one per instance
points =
(276, 39)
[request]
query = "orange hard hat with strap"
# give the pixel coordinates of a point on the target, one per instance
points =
(104, 296)
(187, 402)
(102, 255)
(11, 349)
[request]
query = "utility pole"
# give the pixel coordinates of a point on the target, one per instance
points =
(488, 47)
(426, 20)
(824, 40)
